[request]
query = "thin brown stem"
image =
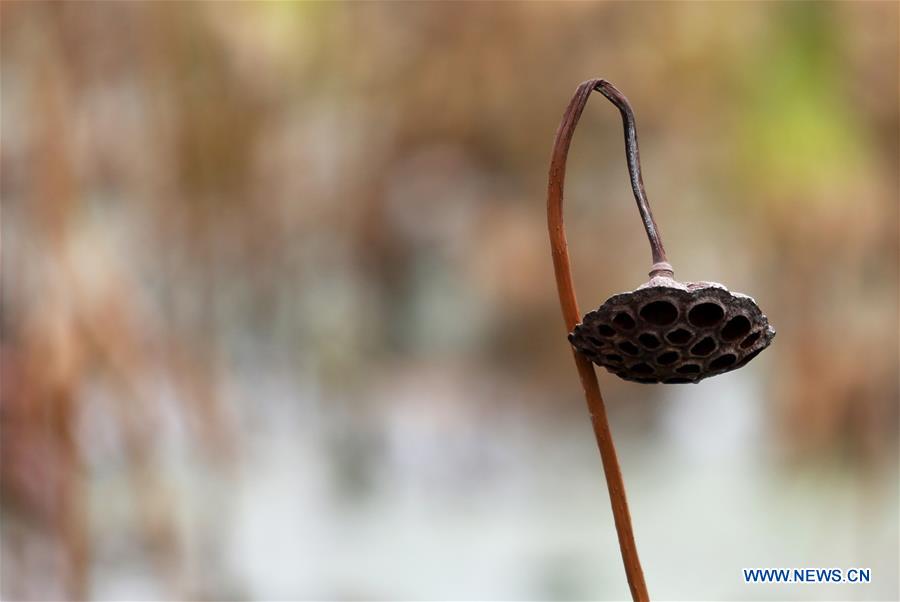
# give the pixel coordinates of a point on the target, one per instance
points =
(569, 303)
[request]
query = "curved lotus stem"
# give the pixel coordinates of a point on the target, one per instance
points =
(633, 157)
(572, 316)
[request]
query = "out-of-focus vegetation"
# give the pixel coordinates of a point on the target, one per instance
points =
(278, 317)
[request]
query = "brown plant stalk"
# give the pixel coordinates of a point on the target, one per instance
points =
(571, 314)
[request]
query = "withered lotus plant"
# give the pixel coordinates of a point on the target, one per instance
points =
(664, 331)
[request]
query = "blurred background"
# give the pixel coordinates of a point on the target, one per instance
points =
(279, 318)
